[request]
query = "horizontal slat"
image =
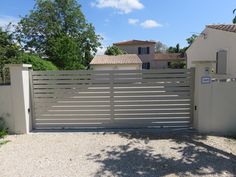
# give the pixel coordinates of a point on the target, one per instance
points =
(101, 125)
(101, 90)
(67, 116)
(111, 71)
(161, 110)
(104, 120)
(96, 85)
(69, 99)
(164, 97)
(150, 115)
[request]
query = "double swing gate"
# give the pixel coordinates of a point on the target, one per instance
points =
(112, 99)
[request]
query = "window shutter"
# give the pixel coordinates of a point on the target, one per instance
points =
(139, 50)
(221, 62)
(148, 50)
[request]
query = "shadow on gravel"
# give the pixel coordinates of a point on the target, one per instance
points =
(198, 158)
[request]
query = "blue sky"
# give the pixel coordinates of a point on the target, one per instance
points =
(168, 21)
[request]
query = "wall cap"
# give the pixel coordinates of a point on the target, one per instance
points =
(19, 65)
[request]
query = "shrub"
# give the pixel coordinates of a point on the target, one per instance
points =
(38, 63)
(3, 128)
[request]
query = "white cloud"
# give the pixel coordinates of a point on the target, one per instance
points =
(150, 24)
(132, 21)
(101, 50)
(124, 6)
(104, 43)
(5, 20)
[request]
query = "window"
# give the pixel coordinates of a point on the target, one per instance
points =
(169, 64)
(221, 62)
(143, 50)
(146, 65)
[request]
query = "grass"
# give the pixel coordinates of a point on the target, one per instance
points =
(3, 133)
(4, 142)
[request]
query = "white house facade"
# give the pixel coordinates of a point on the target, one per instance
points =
(216, 45)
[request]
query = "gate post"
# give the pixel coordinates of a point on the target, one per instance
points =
(20, 91)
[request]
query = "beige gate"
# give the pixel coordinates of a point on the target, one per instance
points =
(112, 99)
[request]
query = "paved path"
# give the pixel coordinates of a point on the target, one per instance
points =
(119, 154)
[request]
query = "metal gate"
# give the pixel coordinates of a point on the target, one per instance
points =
(112, 99)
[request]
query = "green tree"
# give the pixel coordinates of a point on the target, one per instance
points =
(38, 64)
(160, 47)
(234, 20)
(58, 30)
(114, 50)
(191, 39)
(175, 49)
(9, 51)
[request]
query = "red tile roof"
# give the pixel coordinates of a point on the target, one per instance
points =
(134, 42)
(169, 56)
(119, 59)
(228, 28)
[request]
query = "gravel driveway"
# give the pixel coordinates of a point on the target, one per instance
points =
(116, 154)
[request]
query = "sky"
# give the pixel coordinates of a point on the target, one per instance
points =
(168, 21)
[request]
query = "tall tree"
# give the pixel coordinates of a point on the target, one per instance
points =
(114, 50)
(234, 20)
(9, 51)
(175, 49)
(160, 47)
(58, 30)
(191, 39)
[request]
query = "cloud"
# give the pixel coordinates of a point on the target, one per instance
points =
(132, 21)
(101, 50)
(104, 44)
(150, 24)
(5, 20)
(123, 6)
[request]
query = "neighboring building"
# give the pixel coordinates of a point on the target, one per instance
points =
(164, 60)
(144, 49)
(217, 45)
(146, 52)
(119, 62)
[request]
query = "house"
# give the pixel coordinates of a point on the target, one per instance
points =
(144, 49)
(120, 62)
(146, 52)
(164, 60)
(215, 45)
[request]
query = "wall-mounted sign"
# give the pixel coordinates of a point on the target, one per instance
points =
(205, 80)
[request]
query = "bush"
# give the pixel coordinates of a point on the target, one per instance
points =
(3, 129)
(38, 63)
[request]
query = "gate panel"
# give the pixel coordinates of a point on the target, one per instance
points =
(112, 99)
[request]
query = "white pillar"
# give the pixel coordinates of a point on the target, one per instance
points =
(20, 90)
(203, 98)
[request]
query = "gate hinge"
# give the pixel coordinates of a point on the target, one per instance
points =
(195, 108)
(28, 110)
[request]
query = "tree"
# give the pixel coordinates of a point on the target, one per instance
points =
(114, 50)
(234, 20)
(191, 39)
(58, 30)
(175, 49)
(160, 47)
(38, 64)
(9, 51)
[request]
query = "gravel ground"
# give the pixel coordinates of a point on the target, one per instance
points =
(116, 154)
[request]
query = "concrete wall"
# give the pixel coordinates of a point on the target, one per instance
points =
(205, 49)
(215, 103)
(15, 100)
(6, 106)
(117, 67)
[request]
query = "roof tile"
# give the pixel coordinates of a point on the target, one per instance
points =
(119, 59)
